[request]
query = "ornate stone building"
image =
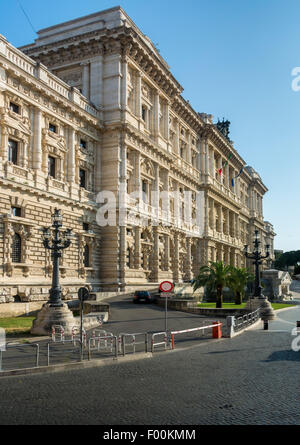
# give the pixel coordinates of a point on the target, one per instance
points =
(92, 106)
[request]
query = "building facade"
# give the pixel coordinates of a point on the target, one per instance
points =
(91, 106)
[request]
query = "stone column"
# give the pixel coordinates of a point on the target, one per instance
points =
(206, 154)
(25, 154)
(122, 255)
(167, 252)
(138, 95)
(222, 252)
(124, 92)
(96, 80)
(213, 164)
(189, 155)
(221, 176)
(167, 124)
(155, 198)
(4, 144)
(37, 141)
(176, 258)
(211, 214)
(176, 204)
(137, 171)
(188, 268)
(137, 250)
(155, 257)
(206, 214)
(220, 219)
(156, 114)
(71, 156)
(227, 170)
(97, 168)
(199, 155)
(238, 228)
(227, 222)
(86, 79)
(177, 138)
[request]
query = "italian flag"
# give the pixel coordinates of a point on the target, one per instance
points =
(220, 170)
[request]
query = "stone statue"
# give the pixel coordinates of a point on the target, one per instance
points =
(223, 127)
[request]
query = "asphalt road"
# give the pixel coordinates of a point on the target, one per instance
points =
(125, 317)
(250, 379)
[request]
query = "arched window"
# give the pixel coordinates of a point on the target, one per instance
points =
(86, 259)
(16, 248)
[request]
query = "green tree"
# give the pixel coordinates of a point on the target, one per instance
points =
(216, 276)
(287, 259)
(238, 279)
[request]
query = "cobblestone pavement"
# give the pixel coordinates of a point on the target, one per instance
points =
(250, 379)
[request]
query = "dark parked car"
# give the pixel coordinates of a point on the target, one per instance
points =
(143, 296)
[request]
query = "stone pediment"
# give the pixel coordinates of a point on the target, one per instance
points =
(18, 126)
(57, 142)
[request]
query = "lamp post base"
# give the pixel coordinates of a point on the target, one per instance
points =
(266, 311)
(254, 303)
(49, 316)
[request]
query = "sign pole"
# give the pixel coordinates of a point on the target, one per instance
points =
(83, 295)
(166, 287)
(81, 325)
(166, 312)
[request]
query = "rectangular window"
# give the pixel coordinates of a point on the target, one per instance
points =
(82, 144)
(144, 111)
(85, 227)
(51, 166)
(16, 211)
(86, 256)
(52, 128)
(14, 107)
(82, 178)
(13, 151)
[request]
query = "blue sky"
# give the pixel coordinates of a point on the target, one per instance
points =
(234, 59)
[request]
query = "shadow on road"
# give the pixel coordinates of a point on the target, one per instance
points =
(287, 355)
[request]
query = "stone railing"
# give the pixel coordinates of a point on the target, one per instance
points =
(39, 71)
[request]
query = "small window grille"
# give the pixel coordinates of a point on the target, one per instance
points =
(16, 248)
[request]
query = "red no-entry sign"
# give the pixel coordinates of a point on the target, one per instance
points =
(166, 286)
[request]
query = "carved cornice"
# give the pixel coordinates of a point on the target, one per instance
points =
(184, 110)
(122, 40)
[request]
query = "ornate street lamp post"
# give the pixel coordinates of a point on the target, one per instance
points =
(257, 258)
(55, 312)
(56, 243)
(259, 300)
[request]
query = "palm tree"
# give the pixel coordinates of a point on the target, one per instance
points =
(238, 279)
(215, 276)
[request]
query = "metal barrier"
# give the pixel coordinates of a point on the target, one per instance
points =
(173, 333)
(120, 340)
(164, 342)
(103, 337)
(64, 343)
(11, 345)
(134, 342)
(110, 346)
(76, 333)
(246, 320)
(57, 329)
(98, 333)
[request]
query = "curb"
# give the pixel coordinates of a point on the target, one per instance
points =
(287, 308)
(77, 365)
